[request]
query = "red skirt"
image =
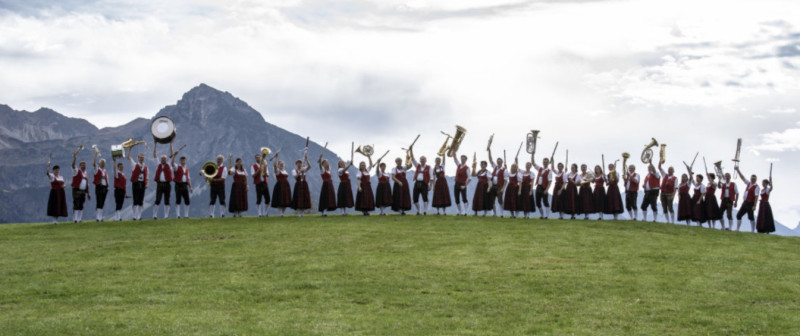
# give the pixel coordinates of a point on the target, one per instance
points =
(383, 195)
(586, 199)
(481, 200)
(365, 201)
(526, 199)
(684, 207)
(511, 201)
(327, 198)
(238, 198)
(441, 194)
(558, 196)
(401, 198)
(599, 199)
(281, 195)
(344, 195)
(613, 200)
(764, 222)
(698, 210)
(57, 203)
(301, 198)
(712, 209)
(569, 200)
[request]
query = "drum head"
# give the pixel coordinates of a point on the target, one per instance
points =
(163, 130)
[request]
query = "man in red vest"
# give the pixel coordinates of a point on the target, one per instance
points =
(218, 188)
(80, 188)
(729, 199)
(751, 193)
(260, 175)
(422, 181)
(498, 184)
(651, 189)
(544, 177)
(138, 184)
(462, 180)
(100, 182)
(183, 186)
(163, 178)
(669, 184)
(631, 180)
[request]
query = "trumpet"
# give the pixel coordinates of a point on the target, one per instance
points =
(457, 139)
(530, 145)
(587, 178)
(647, 153)
(445, 148)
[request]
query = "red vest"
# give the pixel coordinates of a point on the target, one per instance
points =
(652, 181)
(512, 181)
(364, 180)
(220, 171)
(750, 192)
(163, 167)
(179, 173)
(138, 169)
(764, 196)
(599, 182)
(668, 184)
(257, 178)
(326, 176)
(634, 187)
(383, 178)
(119, 181)
(559, 181)
(100, 174)
(426, 173)
(345, 177)
(501, 175)
(76, 180)
(56, 183)
(461, 174)
(544, 175)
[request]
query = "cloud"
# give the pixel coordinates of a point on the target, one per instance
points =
(787, 140)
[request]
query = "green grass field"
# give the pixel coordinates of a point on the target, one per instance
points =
(394, 276)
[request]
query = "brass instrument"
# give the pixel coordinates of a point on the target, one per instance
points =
(647, 153)
(625, 157)
(96, 150)
(383, 156)
(489, 146)
(444, 149)
(530, 145)
(130, 143)
(265, 151)
(209, 170)
(474, 161)
(408, 151)
(663, 154)
(365, 150)
(457, 139)
(738, 151)
(587, 178)
(718, 170)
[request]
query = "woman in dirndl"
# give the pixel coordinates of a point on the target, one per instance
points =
(481, 200)
(282, 192)
(57, 201)
(570, 200)
(301, 197)
(526, 191)
(401, 197)
(613, 204)
(585, 196)
(599, 195)
(383, 193)
(698, 205)
(441, 191)
(713, 212)
(513, 193)
(238, 199)
(684, 200)
(327, 197)
(365, 201)
(764, 221)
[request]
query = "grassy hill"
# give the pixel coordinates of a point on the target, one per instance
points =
(394, 276)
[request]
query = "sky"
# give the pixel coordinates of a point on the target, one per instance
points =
(598, 77)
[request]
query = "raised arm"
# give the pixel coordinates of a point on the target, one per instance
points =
(741, 176)
(74, 157)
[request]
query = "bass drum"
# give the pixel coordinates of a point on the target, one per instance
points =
(163, 130)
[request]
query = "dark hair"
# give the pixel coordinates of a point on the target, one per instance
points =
(711, 176)
(183, 158)
(56, 167)
(700, 176)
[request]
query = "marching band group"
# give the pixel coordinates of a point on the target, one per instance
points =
(499, 188)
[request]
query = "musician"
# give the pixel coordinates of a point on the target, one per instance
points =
(729, 199)
(281, 193)
(260, 175)
(570, 201)
(120, 189)
(558, 195)
(684, 200)
(401, 197)
(668, 186)
(462, 179)
(441, 190)
(699, 212)
(327, 197)
(163, 179)
(765, 222)
(613, 196)
(238, 199)
(183, 186)
(651, 189)
(512, 201)
(713, 213)
(498, 183)
(57, 201)
(751, 193)
(80, 188)
(599, 195)
(526, 191)
(631, 180)
(344, 194)
(544, 176)
(139, 183)
(301, 197)
(585, 196)
(100, 182)
(422, 181)
(481, 200)
(383, 194)
(218, 188)
(365, 201)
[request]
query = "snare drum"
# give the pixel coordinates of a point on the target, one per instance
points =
(163, 130)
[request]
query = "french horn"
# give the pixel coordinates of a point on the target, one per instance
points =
(647, 153)
(365, 150)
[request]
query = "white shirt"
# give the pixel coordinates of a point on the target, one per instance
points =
(727, 192)
(398, 171)
(633, 178)
(185, 177)
(161, 176)
(84, 180)
(494, 176)
(518, 175)
(647, 185)
(301, 172)
(54, 178)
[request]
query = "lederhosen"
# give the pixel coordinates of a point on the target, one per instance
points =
(100, 190)
(260, 184)
(78, 194)
(421, 187)
(218, 187)
(181, 188)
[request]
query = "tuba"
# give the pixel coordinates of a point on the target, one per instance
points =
(460, 133)
(647, 153)
(445, 148)
(662, 154)
(530, 145)
(209, 170)
(718, 170)
(365, 150)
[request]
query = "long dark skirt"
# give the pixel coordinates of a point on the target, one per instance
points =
(526, 199)
(712, 208)
(281, 195)
(613, 201)
(401, 198)
(569, 200)
(238, 198)
(327, 198)
(441, 194)
(764, 222)
(586, 199)
(383, 195)
(558, 199)
(365, 201)
(599, 199)
(57, 203)
(684, 207)
(480, 200)
(301, 197)
(512, 201)
(698, 210)
(344, 195)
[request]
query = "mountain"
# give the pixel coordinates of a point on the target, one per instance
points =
(41, 125)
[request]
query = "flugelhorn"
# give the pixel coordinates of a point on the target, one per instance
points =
(647, 153)
(365, 150)
(460, 133)
(530, 145)
(443, 150)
